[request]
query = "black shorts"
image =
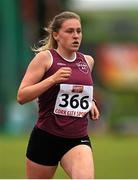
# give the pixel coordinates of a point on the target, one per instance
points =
(47, 149)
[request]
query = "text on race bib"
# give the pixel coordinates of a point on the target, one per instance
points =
(73, 100)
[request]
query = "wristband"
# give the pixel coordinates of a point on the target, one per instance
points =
(94, 100)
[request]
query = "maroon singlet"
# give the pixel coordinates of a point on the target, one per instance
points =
(60, 125)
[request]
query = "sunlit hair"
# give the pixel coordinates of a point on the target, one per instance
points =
(54, 26)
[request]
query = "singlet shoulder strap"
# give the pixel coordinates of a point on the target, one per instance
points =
(80, 55)
(52, 51)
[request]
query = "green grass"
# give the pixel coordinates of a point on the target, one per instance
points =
(116, 157)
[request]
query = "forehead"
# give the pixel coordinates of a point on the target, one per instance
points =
(71, 23)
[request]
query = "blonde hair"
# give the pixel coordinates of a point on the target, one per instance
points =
(54, 26)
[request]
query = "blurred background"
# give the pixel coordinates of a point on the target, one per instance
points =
(110, 35)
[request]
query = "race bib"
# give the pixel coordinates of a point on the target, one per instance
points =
(73, 100)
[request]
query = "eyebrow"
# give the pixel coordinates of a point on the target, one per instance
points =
(72, 28)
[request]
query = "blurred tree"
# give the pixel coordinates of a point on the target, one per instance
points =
(46, 10)
(11, 51)
(36, 14)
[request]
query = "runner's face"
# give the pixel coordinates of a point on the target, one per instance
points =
(70, 35)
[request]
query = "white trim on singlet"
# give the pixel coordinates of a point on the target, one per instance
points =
(51, 59)
(87, 62)
(68, 60)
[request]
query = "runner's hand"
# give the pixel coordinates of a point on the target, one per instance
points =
(62, 75)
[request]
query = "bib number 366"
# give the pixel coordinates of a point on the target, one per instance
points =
(73, 100)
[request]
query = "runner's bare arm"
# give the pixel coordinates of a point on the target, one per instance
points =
(31, 86)
(94, 113)
(90, 61)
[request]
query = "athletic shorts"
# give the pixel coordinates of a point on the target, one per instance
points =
(47, 149)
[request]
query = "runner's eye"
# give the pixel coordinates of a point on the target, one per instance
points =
(78, 31)
(70, 31)
(74, 30)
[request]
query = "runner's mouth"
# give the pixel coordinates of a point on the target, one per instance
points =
(76, 43)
